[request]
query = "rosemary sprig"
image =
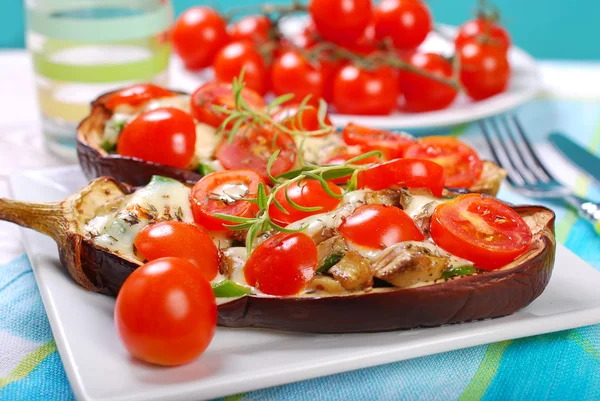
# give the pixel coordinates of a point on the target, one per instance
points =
(262, 221)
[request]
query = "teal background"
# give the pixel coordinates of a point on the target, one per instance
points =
(554, 29)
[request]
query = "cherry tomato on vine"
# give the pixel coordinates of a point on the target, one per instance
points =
(480, 229)
(391, 145)
(461, 163)
(483, 29)
(379, 226)
(136, 95)
(181, 240)
(252, 147)
(308, 120)
(242, 56)
(405, 22)
(308, 193)
(422, 93)
(220, 94)
(411, 173)
(254, 28)
(150, 319)
(365, 44)
(166, 135)
(340, 21)
(283, 264)
(220, 192)
(329, 69)
(367, 92)
(292, 73)
(198, 34)
(485, 70)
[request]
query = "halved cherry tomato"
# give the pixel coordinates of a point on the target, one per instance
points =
(292, 73)
(411, 173)
(483, 29)
(254, 28)
(288, 116)
(166, 135)
(461, 163)
(220, 192)
(181, 240)
(136, 95)
(252, 147)
(369, 92)
(391, 145)
(242, 56)
(198, 34)
(484, 70)
(220, 94)
(340, 21)
(379, 226)
(166, 312)
(405, 22)
(480, 229)
(307, 193)
(283, 264)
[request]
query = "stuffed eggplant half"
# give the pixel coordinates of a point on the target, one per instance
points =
(370, 257)
(142, 131)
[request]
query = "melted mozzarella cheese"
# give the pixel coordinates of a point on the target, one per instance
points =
(317, 150)
(418, 202)
(206, 142)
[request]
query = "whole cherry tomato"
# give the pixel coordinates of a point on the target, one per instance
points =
(480, 229)
(136, 95)
(254, 28)
(181, 240)
(365, 44)
(484, 29)
(220, 94)
(283, 264)
(405, 22)
(166, 312)
(242, 56)
(360, 91)
(485, 70)
(292, 73)
(340, 21)
(198, 34)
(390, 144)
(166, 135)
(422, 93)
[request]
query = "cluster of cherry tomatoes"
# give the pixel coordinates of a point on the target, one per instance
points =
(362, 58)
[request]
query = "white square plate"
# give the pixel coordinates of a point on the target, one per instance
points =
(240, 360)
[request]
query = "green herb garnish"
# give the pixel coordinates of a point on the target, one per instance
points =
(328, 263)
(204, 169)
(230, 289)
(459, 271)
(109, 147)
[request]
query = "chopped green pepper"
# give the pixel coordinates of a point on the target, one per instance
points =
(328, 263)
(230, 289)
(459, 271)
(204, 169)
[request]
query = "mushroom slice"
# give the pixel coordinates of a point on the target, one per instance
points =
(387, 197)
(326, 284)
(353, 272)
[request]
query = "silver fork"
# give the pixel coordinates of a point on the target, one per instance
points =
(526, 173)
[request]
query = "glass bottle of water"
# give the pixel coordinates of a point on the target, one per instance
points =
(83, 48)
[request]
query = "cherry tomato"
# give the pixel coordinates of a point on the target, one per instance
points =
(283, 264)
(480, 229)
(329, 69)
(346, 154)
(181, 240)
(136, 95)
(254, 28)
(365, 44)
(391, 145)
(425, 94)
(411, 173)
(461, 163)
(308, 121)
(198, 34)
(166, 312)
(308, 193)
(360, 91)
(219, 192)
(340, 21)
(219, 94)
(292, 73)
(166, 135)
(483, 29)
(252, 147)
(379, 226)
(484, 69)
(238, 56)
(405, 22)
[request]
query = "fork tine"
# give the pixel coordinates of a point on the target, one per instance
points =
(518, 159)
(535, 164)
(501, 155)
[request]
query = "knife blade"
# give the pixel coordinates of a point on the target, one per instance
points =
(579, 156)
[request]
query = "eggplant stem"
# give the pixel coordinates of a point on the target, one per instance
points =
(46, 218)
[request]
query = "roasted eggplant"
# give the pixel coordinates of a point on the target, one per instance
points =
(431, 303)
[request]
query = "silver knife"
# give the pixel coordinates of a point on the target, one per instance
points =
(579, 156)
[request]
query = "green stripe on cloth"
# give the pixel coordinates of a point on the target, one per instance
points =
(485, 373)
(30, 362)
(237, 397)
(458, 130)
